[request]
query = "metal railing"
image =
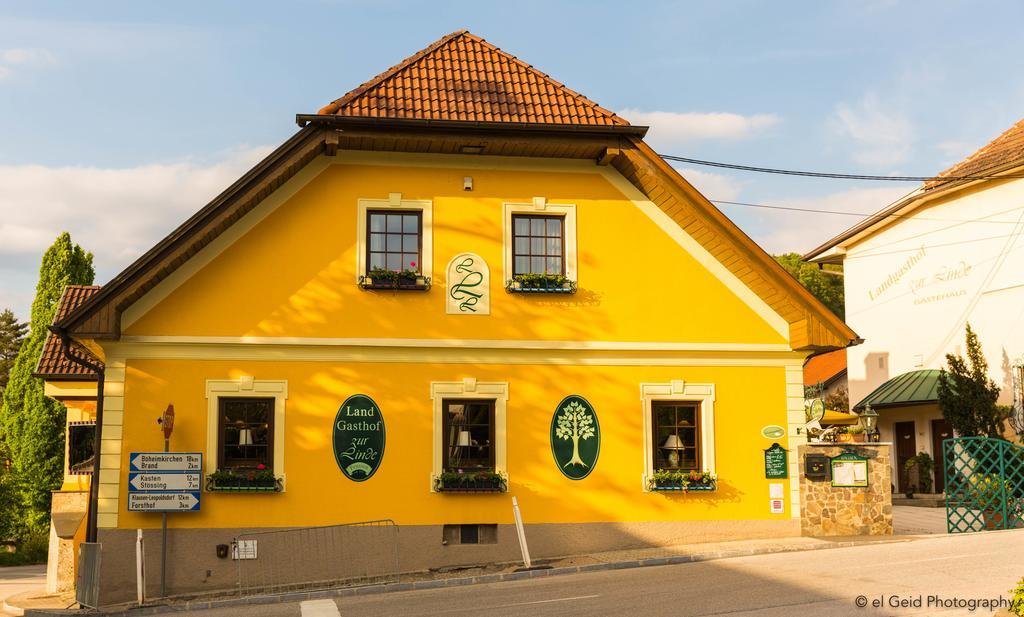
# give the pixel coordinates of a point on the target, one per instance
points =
(309, 558)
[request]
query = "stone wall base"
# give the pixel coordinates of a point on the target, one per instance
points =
(828, 510)
(193, 565)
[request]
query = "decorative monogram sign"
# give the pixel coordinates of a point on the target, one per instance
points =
(358, 437)
(575, 437)
(469, 286)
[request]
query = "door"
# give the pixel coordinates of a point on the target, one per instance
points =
(906, 449)
(941, 430)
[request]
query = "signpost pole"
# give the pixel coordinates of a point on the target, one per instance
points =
(140, 568)
(166, 423)
(163, 536)
(521, 533)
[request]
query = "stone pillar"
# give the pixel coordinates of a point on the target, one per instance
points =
(67, 516)
(846, 511)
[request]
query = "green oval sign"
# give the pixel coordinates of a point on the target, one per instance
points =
(773, 431)
(358, 437)
(575, 437)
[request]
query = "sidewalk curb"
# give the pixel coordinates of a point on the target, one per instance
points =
(197, 605)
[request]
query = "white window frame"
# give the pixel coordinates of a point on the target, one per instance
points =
(470, 388)
(395, 202)
(679, 390)
(540, 206)
(242, 387)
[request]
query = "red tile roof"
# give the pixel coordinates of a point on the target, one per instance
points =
(52, 363)
(463, 77)
(825, 367)
(1003, 151)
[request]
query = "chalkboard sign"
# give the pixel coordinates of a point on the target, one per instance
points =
(776, 463)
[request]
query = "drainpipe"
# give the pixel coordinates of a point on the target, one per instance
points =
(94, 483)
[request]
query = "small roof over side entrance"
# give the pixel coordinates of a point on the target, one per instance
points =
(913, 388)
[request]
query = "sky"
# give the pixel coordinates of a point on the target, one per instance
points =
(118, 120)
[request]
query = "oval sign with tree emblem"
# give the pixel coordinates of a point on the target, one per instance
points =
(358, 437)
(575, 437)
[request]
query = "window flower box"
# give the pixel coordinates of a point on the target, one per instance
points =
(261, 479)
(540, 283)
(470, 482)
(404, 280)
(668, 480)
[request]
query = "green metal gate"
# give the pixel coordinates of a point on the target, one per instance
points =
(984, 484)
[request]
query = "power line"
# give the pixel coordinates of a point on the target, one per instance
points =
(818, 174)
(857, 214)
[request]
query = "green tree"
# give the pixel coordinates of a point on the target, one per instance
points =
(574, 423)
(967, 397)
(32, 425)
(825, 283)
(12, 335)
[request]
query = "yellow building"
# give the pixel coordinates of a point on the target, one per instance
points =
(527, 300)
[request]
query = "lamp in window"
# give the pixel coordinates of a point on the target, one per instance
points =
(465, 440)
(245, 437)
(673, 444)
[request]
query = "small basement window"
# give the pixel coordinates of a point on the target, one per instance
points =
(471, 534)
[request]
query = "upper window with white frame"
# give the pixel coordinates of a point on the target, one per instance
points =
(540, 247)
(394, 243)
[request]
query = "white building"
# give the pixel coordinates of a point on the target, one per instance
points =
(917, 272)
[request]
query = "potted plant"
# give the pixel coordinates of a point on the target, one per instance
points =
(385, 278)
(924, 465)
(480, 481)
(260, 478)
(857, 433)
(540, 283)
(676, 480)
(842, 435)
(988, 490)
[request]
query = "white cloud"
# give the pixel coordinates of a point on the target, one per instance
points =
(672, 128)
(23, 57)
(955, 151)
(875, 135)
(711, 185)
(784, 231)
(116, 213)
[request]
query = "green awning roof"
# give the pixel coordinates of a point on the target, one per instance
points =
(913, 388)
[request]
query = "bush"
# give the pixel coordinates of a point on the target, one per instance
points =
(1017, 602)
(34, 549)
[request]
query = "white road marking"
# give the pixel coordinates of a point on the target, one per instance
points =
(319, 608)
(547, 601)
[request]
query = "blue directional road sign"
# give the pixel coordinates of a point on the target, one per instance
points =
(164, 501)
(165, 481)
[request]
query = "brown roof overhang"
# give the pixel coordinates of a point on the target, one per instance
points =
(490, 128)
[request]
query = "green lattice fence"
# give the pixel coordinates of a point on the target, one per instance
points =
(984, 484)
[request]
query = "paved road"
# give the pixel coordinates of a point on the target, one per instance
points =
(915, 520)
(824, 582)
(18, 579)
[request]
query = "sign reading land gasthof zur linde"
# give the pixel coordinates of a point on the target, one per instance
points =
(358, 437)
(164, 481)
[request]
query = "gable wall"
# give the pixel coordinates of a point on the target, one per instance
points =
(297, 268)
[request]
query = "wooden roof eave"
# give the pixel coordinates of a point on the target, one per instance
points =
(487, 128)
(813, 327)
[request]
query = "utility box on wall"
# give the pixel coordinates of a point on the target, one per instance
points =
(855, 506)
